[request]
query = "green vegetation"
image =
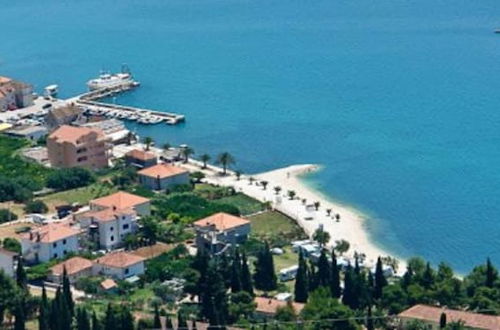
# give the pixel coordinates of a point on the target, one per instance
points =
(70, 178)
(6, 215)
(246, 205)
(276, 228)
(78, 195)
(36, 206)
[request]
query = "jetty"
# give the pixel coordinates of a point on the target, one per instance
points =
(90, 103)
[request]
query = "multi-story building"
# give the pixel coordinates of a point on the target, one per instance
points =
(8, 260)
(217, 231)
(50, 241)
(64, 115)
(119, 265)
(70, 146)
(163, 177)
(122, 200)
(14, 94)
(140, 158)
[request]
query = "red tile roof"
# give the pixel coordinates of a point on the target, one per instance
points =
(270, 305)
(222, 221)
(433, 314)
(120, 200)
(51, 233)
(73, 265)
(119, 259)
(140, 154)
(72, 134)
(162, 171)
(109, 214)
(108, 284)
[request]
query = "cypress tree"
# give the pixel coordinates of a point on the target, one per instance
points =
(181, 321)
(157, 320)
(67, 292)
(225, 269)
(236, 285)
(490, 274)
(82, 319)
(127, 320)
(301, 291)
(43, 314)
(213, 297)
(323, 270)
(265, 277)
(442, 321)
(109, 318)
(54, 312)
(193, 324)
(168, 324)
(313, 278)
(380, 280)
(19, 316)
(96, 325)
(335, 278)
(407, 277)
(349, 298)
(369, 319)
(428, 277)
(21, 277)
(246, 277)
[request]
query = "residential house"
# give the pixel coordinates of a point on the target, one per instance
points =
(123, 200)
(30, 132)
(50, 241)
(213, 233)
(64, 115)
(267, 307)
(70, 146)
(163, 177)
(140, 158)
(114, 129)
(108, 285)
(76, 267)
(8, 261)
(109, 227)
(431, 316)
(14, 94)
(119, 265)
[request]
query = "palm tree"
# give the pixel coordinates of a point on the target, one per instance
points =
(130, 137)
(205, 158)
(316, 205)
(277, 190)
(148, 141)
(337, 217)
(321, 236)
(166, 146)
(264, 184)
(238, 175)
(225, 159)
(304, 201)
(328, 212)
(186, 152)
(291, 194)
(251, 180)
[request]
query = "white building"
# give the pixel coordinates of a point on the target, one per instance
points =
(109, 226)
(163, 177)
(76, 267)
(50, 241)
(119, 265)
(122, 200)
(8, 260)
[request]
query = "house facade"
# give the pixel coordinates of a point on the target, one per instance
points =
(123, 200)
(163, 177)
(64, 115)
(119, 265)
(140, 158)
(76, 268)
(50, 241)
(8, 261)
(215, 232)
(14, 94)
(70, 146)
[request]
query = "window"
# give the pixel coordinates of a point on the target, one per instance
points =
(54, 244)
(111, 228)
(127, 271)
(64, 252)
(64, 241)
(81, 159)
(125, 226)
(55, 255)
(112, 238)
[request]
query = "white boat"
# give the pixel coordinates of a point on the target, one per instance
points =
(155, 120)
(108, 80)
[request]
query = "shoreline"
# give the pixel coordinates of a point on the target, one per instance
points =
(350, 227)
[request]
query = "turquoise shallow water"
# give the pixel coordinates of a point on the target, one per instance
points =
(399, 100)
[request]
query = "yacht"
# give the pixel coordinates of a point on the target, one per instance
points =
(108, 80)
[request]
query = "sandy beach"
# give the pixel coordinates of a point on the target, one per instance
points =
(350, 227)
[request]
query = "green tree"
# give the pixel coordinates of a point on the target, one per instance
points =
(12, 244)
(157, 320)
(321, 236)
(241, 306)
(82, 319)
(186, 152)
(181, 321)
(323, 273)
(43, 314)
(6, 216)
(36, 206)
(19, 315)
(148, 141)
(491, 274)
(246, 276)
(341, 246)
(67, 292)
(225, 159)
(214, 302)
(96, 324)
(8, 294)
(335, 277)
(264, 276)
(301, 289)
(21, 277)
(205, 158)
(380, 280)
(442, 321)
(236, 272)
(291, 194)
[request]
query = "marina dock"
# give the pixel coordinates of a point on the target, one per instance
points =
(89, 102)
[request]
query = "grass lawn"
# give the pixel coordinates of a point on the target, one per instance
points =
(272, 222)
(245, 204)
(287, 259)
(79, 195)
(17, 208)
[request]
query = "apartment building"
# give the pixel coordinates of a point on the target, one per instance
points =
(14, 94)
(70, 146)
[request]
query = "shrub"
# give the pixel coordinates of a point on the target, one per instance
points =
(70, 178)
(36, 206)
(12, 244)
(6, 215)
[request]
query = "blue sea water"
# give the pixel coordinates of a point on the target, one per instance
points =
(400, 100)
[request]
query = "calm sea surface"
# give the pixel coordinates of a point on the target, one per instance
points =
(400, 100)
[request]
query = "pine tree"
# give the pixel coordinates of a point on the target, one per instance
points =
(236, 285)
(380, 281)
(246, 277)
(323, 270)
(264, 276)
(301, 290)
(43, 314)
(168, 324)
(335, 278)
(127, 320)
(181, 321)
(67, 292)
(21, 277)
(491, 274)
(157, 320)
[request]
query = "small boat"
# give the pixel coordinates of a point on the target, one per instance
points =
(497, 31)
